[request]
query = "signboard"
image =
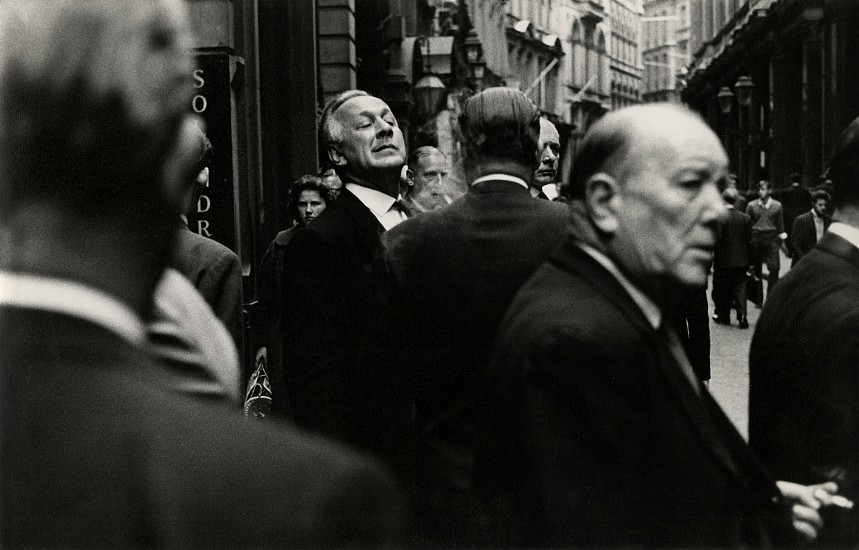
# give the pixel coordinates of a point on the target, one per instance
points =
(215, 214)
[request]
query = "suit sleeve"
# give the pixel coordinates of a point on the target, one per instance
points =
(267, 311)
(223, 286)
(318, 360)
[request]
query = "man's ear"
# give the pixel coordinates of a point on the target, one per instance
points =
(335, 156)
(603, 200)
(410, 177)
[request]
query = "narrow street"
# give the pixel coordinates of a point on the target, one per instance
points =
(729, 361)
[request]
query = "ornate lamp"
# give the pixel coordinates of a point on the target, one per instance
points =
(744, 88)
(726, 99)
(429, 93)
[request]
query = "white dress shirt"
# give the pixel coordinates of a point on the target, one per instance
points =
(846, 232)
(381, 205)
(502, 177)
(70, 298)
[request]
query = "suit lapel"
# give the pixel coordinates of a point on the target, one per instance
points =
(368, 228)
(690, 402)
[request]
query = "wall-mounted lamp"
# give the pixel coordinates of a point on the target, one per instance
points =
(744, 88)
(726, 98)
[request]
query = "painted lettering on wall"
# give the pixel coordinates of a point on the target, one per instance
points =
(215, 215)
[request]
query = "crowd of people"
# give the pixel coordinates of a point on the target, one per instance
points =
(497, 364)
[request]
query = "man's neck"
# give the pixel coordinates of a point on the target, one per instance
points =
(123, 262)
(847, 214)
(383, 182)
(510, 168)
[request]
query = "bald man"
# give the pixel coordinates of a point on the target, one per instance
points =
(597, 431)
(549, 149)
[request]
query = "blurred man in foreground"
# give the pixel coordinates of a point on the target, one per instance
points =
(803, 377)
(597, 431)
(97, 450)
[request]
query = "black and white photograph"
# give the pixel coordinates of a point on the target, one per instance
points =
(429, 274)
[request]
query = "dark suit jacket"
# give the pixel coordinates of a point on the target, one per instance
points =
(216, 272)
(803, 236)
(449, 275)
(733, 248)
(795, 200)
(329, 307)
(97, 454)
(803, 402)
(594, 436)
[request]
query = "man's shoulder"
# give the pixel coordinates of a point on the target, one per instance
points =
(738, 216)
(804, 217)
(200, 244)
(560, 302)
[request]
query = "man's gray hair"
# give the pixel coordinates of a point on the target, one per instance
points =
(330, 129)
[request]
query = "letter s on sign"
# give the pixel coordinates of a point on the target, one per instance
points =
(199, 81)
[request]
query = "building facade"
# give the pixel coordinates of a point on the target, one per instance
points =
(665, 48)
(777, 80)
(625, 52)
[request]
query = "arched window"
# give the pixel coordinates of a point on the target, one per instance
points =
(577, 59)
(601, 83)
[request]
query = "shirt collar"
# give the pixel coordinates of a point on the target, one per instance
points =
(70, 298)
(503, 177)
(846, 232)
(379, 203)
(645, 304)
(814, 214)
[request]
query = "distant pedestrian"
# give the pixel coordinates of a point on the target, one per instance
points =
(768, 234)
(794, 199)
(731, 261)
(809, 228)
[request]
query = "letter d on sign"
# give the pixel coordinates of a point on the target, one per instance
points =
(204, 204)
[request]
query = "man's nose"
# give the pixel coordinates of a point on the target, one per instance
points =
(714, 207)
(384, 129)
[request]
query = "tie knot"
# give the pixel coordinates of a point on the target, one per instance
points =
(400, 206)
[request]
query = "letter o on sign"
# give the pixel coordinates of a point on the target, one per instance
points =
(199, 103)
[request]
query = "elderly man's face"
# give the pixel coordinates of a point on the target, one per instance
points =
(550, 152)
(433, 187)
(670, 206)
(371, 140)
